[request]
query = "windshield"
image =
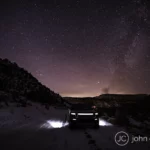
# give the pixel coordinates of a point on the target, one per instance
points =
(81, 107)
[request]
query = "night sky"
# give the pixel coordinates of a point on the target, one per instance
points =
(80, 47)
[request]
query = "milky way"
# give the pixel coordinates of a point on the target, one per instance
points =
(82, 47)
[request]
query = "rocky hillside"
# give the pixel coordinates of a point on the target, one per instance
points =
(16, 84)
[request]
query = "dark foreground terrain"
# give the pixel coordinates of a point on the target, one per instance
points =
(35, 127)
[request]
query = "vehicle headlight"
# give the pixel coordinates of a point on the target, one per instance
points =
(73, 113)
(96, 113)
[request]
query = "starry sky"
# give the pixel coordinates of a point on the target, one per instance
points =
(80, 48)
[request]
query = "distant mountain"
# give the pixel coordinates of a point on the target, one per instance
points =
(17, 82)
(122, 96)
(114, 100)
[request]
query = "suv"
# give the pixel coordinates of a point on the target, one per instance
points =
(81, 113)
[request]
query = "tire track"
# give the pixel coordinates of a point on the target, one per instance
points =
(91, 141)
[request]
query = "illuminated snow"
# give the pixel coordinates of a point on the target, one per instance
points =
(54, 124)
(60, 124)
(104, 123)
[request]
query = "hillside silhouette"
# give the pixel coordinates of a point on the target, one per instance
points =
(17, 84)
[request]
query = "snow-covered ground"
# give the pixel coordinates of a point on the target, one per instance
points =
(34, 127)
